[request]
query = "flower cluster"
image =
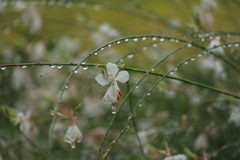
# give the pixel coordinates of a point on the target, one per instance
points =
(113, 75)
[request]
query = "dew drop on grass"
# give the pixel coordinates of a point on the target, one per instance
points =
(126, 40)
(137, 86)
(143, 38)
(130, 56)
(185, 62)
(76, 71)
(189, 45)
(66, 86)
(135, 39)
(83, 62)
(24, 66)
(59, 67)
(154, 38)
(3, 68)
(161, 39)
(95, 53)
(109, 45)
(84, 67)
(175, 69)
(200, 55)
(149, 93)
(102, 48)
(53, 66)
(118, 42)
(192, 59)
(152, 69)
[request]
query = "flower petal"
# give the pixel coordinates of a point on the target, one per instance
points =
(73, 134)
(111, 95)
(123, 76)
(112, 69)
(102, 79)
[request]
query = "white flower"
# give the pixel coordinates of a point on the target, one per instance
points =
(235, 116)
(216, 42)
(73, 134)
(23, 122)
(201, 141)
(176, 157)
(113, 75)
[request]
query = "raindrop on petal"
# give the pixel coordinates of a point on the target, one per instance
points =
(3, 68)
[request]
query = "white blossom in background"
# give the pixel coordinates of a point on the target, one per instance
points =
(201, 142)
(113, 75)
(32, 18)
(216, 42)
(176, 157)
(104, 33)
(23, 121)
(235, 116)
(208, 5)
(73, 134)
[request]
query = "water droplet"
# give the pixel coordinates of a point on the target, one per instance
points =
(83, 62)
(192, 59)
(149, 93)
(154, 38)
(144, 48)
(230, 45)
(73, 146)
(228, 35)
(126, 40)
(66, 86)
(189, 45)
(185, 62)
(76, 71)
(204, 52)
(84, 67)
(172, 40)
(161, 39)
(176, 40)
(143, 38)
(202, 39)
(114, 110)
(102, 48)
(171, 72)
(3, 68)
(200, 55)
(53, 66)
(140, 105)
(130, 56)
(52, 114)
(236, 45)
(223, 46)
(175, 69)
(155, 45)
(152, 69)
(109, 45)
(137, 86)
(59, 67)
(135, 39)
(95, 53)
(24, 66)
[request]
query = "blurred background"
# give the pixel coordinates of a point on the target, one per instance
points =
(177, 118)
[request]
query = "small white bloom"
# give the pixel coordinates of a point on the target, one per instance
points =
(201, 141)
(73, 134)
(215, 42)
(235, 116)
(113, 75)
(176, 157)
(23, 122)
